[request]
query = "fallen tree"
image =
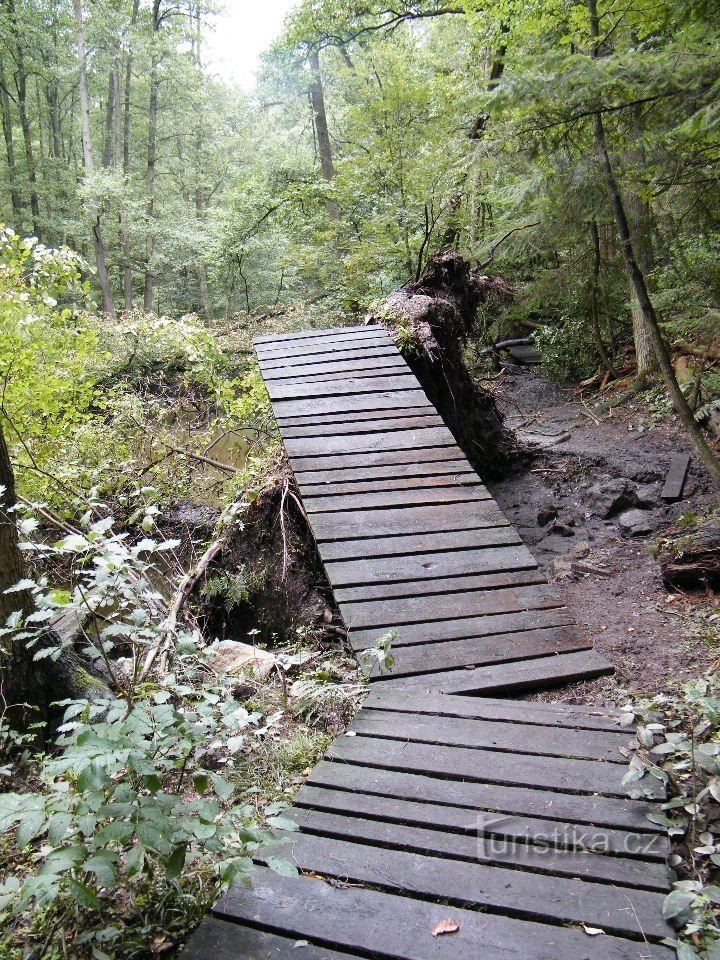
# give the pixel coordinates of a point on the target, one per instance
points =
(431, 320)
(690, 559)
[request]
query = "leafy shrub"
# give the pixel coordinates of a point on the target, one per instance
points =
(568, 351)
(679, 744)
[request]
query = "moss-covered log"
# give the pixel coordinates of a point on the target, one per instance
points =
(431, 321)
(690, 559)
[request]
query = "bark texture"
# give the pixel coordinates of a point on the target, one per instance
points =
(438, 311)
(691, 559)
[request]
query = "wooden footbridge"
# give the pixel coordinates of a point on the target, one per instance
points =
(502, 822)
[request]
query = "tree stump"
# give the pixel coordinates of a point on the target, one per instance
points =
(690, 559)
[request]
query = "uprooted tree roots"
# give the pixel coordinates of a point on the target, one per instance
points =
(431, 320)
(268, 576)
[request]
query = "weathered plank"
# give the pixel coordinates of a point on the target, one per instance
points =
(452, 832)
(286, 338)
(368, 462)
(675, 479)
(511, 892)
(427, 658)
(352, 403)
(506, 736)
(574, 716)
(427, 587)
(552, 773)
(432, 543)
(359, 416)
(330, 502)
(369, 442)
(449, 606)
(385, 925)
(348, 386)
(579, 821)
(384, 357)
(375, 484)
(466, 628)
(221, 939)
(377, 425)
(406, 520)
(537, 674)
(364, 573)
(446, 464)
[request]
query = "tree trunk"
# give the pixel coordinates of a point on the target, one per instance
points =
(21, 87)
(639, 286)
(317, 98)
(638, 214)
(17, 205)
(439, 310)
(98, 241)
(149, 286)
(28, 684)
(127, 273)
(594, 299)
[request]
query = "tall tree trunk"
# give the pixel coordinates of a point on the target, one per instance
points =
(638, 284)
(127, 273)
(21, 87)
(111, 108)
(98, 241)
(317, 98)
(149, 286)
(638, 214)
(595, 297)
(17, 206)
(27, 684)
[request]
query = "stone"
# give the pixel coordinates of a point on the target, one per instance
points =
(637, 523)
(610, 497)
(546, 514)
(232, 656)
(647, 495)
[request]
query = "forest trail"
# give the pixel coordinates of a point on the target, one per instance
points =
(440, 825)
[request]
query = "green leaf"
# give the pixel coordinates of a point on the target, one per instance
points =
(102, 865)
(202, 782)
(31, 825)
(83, 894)
(64, 858)
(58, 826)
(223, 788)
(282, 866)
(176, 862)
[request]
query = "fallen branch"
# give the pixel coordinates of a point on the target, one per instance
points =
(188, 584)
(698, 350)
(493, 248)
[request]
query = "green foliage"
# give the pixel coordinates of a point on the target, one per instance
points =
(679, 744)
(566, 351)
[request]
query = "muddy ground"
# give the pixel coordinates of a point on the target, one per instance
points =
(570, 504)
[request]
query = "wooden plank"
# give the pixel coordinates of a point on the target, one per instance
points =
(465, 628)
(300, 345)
(369, 442)
(449, 606)
(579, 717)
(426, 658)
(379, 425)
(372, 484)
(578, 821)
(387, 521)
(675, 478)
(359, 416)
(357, 354)
(505, 736)
(217, 939)
(370, 570)
(438, 541)
(552, 773)
(533, 674)
(312, 333)
(454, 832)
(384, 925)
(494, 888)
(279, 390)
(381, 400)
(450, 466)
(369, 461)
(331, 502)
(302, 367)
(385, 370)
(417, 588)
(344, 348)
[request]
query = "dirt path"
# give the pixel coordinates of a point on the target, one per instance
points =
(588, 506)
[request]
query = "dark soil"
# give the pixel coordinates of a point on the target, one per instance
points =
(569, 505)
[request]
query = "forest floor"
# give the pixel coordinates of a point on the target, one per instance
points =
(570, 504)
